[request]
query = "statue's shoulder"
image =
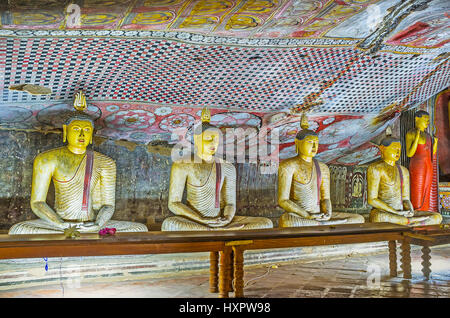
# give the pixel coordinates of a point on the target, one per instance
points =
(289, 162)
(52, 154)
(104, 159)
(186, 159)
(227, 166)
(323, 166)
(224, 162)
(404, 169)
(376, 165)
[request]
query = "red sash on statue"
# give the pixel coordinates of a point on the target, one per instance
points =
(218, 183)
(87, 181)
(319, 179)
(401, 180)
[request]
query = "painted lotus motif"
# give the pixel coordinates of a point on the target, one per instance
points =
(129, 120)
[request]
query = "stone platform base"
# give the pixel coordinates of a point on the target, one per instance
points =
(74, 271)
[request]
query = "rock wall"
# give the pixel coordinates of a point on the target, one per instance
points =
(143, 174)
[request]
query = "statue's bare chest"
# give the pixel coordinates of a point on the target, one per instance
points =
(303, 172)
(68, 167)
(200, 173)
(389, 175)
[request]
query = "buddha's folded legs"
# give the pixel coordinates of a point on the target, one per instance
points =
(294, 220)
(383, 216)
(433, 217)
(40, 226)
(352, 218)
(126, 226)
(180, 223)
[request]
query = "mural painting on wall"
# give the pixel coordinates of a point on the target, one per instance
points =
(349, 188)
(444, 198)
(235, 18)
(144, 124)
(244, 18)
(357, 197)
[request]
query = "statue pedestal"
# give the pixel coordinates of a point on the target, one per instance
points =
(73, 272)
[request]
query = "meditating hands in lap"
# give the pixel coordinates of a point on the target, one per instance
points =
(304, 186)
(210, 186)
(388, 190)
(84, 182)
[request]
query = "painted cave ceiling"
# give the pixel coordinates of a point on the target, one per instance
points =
(148, 67)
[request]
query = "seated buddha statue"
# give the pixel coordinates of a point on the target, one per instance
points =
(304, 186)
(388, 190)
(84, 182)
(210, 187)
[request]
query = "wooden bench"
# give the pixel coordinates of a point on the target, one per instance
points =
(225, 247)
(427, 236)
(312, 236)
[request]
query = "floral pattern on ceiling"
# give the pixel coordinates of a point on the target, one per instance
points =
(237, 18)
(143, 124)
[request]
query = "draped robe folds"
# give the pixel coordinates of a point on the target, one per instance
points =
(421, 170)
(69, 196)
(393, 193)
(204, 200)
(307, 197)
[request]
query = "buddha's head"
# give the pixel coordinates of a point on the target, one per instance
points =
(306, 141)
(206, 136)
(390, 149)
(78, 129)
(422, 119)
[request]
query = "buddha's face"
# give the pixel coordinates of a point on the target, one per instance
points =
(391, 152)
(79, 133)
(422, 122)
(308, 146)
(207, 142)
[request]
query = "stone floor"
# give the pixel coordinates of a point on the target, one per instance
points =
(362, 276)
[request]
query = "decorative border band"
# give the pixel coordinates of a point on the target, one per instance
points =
(206, 39)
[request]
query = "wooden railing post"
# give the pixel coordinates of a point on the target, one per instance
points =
(393, 258)
(224, 272)
(213, 271)
(406, 258)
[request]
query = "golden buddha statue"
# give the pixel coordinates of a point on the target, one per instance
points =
(304, 186)
(388, 190)
(84, 182)
(210, 185)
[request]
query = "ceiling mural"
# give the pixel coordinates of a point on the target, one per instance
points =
(148, 67)
(239, 18)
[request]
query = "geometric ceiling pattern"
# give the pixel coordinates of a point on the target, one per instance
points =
(246, 78)
(148, 67)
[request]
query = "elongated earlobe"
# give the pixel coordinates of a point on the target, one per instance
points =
(64, 133)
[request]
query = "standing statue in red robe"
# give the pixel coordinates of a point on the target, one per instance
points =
(421, 148)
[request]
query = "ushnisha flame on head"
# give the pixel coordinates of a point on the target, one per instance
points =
(204, 125)
(79, 115)
(206, 115)
(388, 140)
(80, 105)
(304, 131)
